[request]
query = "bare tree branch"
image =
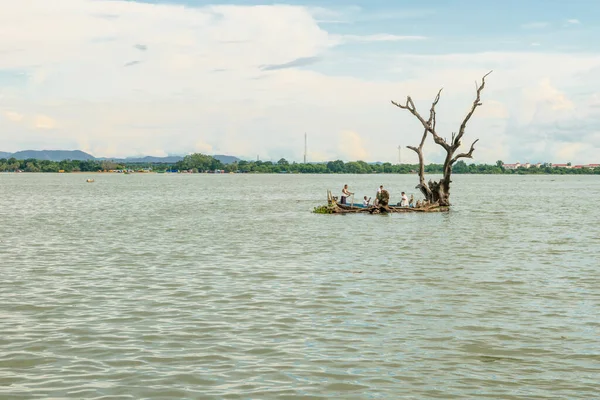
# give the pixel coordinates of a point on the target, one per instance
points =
(410, 106)
(422, 140)
(432, 110)
(419, 150)
(441, 141)
(432, 122)
(465, 155)
(476, 103)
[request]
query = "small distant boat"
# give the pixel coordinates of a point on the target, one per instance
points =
(89, 180)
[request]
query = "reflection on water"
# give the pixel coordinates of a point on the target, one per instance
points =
(226, 286)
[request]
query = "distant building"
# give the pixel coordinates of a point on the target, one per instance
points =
(518, 165)
(512, 166)
(588, 166)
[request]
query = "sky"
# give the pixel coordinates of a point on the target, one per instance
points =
(248, 78)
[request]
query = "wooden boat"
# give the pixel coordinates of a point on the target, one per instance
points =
(362, 207)
(334, 207)
(353, 205)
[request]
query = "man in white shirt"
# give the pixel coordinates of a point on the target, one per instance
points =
(404, 202)
(366, 202)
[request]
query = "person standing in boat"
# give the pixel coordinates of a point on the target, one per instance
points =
(366, 202)
(345, 194)
(378, 195)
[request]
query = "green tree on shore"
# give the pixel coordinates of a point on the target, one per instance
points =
(199, 161)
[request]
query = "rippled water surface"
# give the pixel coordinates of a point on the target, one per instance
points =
(228, 287)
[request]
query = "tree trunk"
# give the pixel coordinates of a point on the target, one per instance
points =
(422, 186)
(444, 190)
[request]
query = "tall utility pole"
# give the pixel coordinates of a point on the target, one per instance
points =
(399, 154)
(305, 147)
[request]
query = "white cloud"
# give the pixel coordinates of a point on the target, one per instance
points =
(37, 121)
(319, 156)
(573, 22)
(351, 146)
(200, 85)
(536, 99)
(328, 16)
(43, 122)
(13, 116)
(570, 151)
(202, 147)
(382, 37)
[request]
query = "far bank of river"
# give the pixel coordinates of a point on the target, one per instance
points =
(571, 172)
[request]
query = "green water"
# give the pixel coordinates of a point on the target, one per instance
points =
(228, 287)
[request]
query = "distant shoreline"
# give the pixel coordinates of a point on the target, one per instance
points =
(201, 163)
(293, 173)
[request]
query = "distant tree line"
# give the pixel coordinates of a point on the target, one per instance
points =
(34, 165)
(205, 163)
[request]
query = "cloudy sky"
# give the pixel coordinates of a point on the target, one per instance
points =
(248, 78)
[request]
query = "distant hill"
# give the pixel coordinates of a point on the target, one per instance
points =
(52, 155)
(168, 159)
(226, 159)
(147, 159)
(150, 159)
(59, 155)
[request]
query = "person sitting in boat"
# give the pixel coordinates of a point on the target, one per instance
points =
(345, 194)
(366, 202)
(411, 201)
(404, 202)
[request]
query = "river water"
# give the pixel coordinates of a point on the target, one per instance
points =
(228, 287)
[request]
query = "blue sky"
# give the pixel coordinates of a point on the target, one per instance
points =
(119, 78)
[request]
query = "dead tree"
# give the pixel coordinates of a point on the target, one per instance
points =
(439, 192)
